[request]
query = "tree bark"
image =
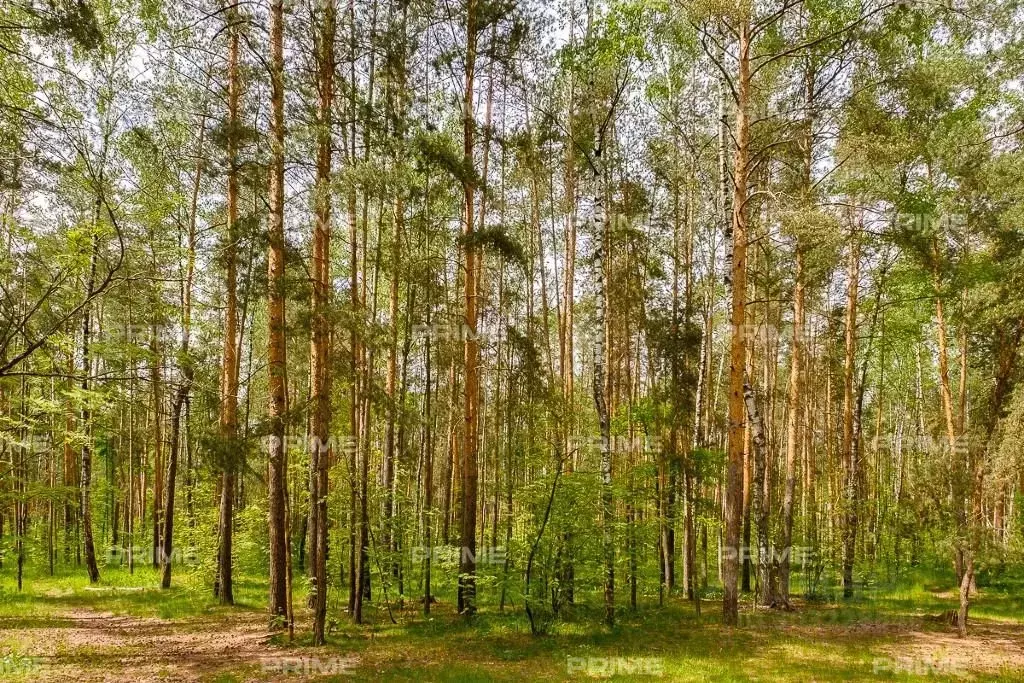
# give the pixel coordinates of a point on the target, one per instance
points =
(471, 360)
(187, 370)
(850, 460)
(85, 511)
(794, 431)
(738, 341)
(760, 495)
(156, 378)
(228, 415)
(276, 326)
(319, 362)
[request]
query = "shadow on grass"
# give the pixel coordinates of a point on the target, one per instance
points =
(825, 640)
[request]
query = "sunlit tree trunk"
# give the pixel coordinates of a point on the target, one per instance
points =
(794, 431)
(738, 342)
(759, 495)
(962, 489)
(276, 324)
(228, 414)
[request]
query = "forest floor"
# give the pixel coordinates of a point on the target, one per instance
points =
(127, 629)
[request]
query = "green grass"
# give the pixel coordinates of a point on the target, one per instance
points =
(121, 593)
(841, 640)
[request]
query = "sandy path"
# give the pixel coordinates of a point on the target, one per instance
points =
(990, 648)
(84, 646)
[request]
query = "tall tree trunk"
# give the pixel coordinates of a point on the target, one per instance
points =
(365, 364)
(85, 511)
(963, 556)
(167, 537)
(794, 432)
(228, 417)
(759, 490)
(72, 468)
(467, 554)
(319, 362)
(428, 463)
(738, 342)
(187, 370)
(794, 425)
(600, 388)
(355, 394)
(397, 105)
(276, 325)
(851, 466)
(566, 333)
(156, 379)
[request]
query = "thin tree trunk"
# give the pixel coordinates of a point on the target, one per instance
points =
(600, 389)
(428, 465)
(85, 511)
(794, 435)
(156, 378)
(319, 364)
(187, 371)
(851, 466)
(167, 540)
(467, 555)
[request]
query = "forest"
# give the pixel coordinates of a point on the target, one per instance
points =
(500, 340)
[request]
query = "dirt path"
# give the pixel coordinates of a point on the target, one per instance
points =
(83, 646)
(990, 648)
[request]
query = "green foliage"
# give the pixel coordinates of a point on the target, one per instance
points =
(498, 240)
(73, 20)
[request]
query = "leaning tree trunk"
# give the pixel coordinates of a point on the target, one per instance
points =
(86, 473)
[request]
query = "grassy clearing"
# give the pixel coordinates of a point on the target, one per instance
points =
(888, 633)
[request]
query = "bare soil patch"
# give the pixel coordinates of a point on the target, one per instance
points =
(990, 648)
(84, 646)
